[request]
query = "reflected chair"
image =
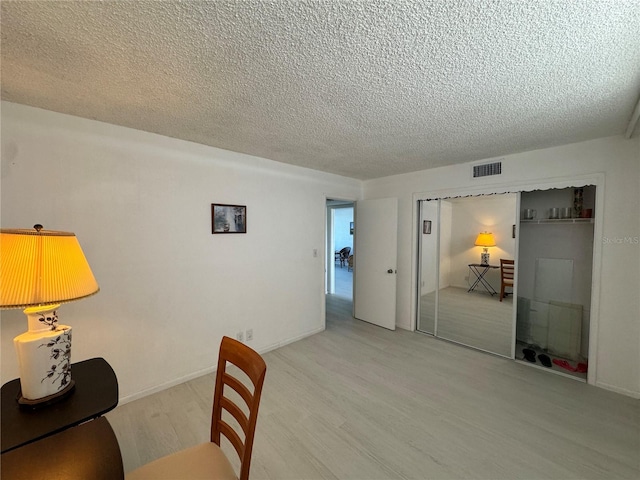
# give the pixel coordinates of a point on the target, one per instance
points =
(506, 276)
(207, 460)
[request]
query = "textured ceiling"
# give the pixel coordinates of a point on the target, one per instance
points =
(361, 88)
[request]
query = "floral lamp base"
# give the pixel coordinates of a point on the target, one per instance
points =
(44, 358)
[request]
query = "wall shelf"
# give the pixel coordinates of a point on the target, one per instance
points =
(558, 220)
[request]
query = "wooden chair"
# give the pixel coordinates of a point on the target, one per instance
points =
(506, 276)
(207, 460)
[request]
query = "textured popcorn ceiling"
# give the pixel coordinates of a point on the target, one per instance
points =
(360, 88)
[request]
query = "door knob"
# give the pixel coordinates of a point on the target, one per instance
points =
(390, 270)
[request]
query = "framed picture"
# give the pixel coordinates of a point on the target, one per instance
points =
(351, 228)
(426, 227)
(228, 218)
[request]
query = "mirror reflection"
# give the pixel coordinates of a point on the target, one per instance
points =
(428, 266)
(474, 234)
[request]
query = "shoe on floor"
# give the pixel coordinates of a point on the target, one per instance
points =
(564, 364)
(545, 360)
(529, 355)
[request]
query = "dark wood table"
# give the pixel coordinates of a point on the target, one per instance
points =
(96, 393)
(42, 439)
(88, 451)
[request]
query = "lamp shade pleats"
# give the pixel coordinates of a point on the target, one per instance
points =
(41, 267)
(485, 240)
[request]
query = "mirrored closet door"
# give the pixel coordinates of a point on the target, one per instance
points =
(460, 274)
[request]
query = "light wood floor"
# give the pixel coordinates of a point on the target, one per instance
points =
(471, 318)
(343, 281)
(361, 402)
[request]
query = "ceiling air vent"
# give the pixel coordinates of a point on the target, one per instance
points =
(487, 169)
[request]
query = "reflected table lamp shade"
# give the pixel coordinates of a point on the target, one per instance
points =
(39, 270)
(486, 240)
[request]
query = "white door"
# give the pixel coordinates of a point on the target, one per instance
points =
(375, 255)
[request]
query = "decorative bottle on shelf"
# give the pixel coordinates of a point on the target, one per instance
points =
(577, 202)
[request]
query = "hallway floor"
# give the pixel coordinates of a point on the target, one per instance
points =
(344, 281)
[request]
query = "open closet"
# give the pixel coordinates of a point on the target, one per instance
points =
(555, 278)
(543, 319)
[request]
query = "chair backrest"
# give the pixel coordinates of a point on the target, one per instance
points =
(345, 252)
(506, 269)
(254, 367)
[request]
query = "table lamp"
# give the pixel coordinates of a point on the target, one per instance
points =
(39, 270)
(486, 240)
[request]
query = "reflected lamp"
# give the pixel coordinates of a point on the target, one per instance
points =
(485, 240)
(39, 270)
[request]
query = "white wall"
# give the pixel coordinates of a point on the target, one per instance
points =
(618, 255)
(139, 204)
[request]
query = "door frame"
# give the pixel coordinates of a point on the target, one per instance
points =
(328, 254)
(330, 265)
(597, 179)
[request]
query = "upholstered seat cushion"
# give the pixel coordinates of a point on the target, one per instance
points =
(204, 461)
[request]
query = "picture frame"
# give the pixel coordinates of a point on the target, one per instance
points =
(426, 227)
(226, 218)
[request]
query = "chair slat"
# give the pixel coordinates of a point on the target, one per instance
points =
(233, 437)
(238, 387)
(237, 413)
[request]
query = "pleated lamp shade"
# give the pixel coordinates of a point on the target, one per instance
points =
(41, 267)
(485, 239)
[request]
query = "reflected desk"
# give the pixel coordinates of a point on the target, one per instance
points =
(480, 271)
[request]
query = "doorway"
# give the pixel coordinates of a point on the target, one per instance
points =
(340, 248)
